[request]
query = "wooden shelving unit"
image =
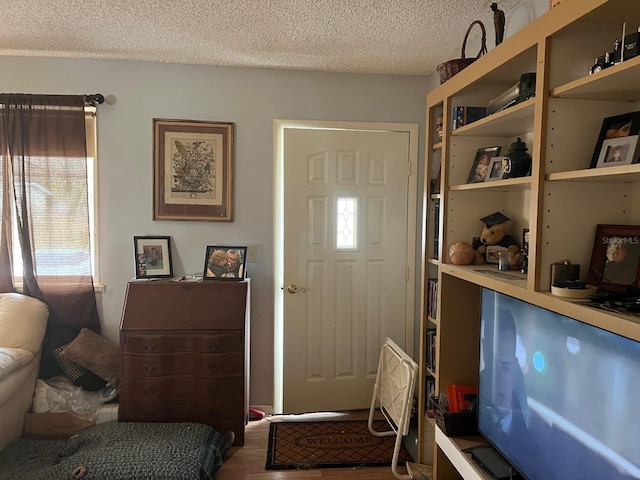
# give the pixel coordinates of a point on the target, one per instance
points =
(561, 202)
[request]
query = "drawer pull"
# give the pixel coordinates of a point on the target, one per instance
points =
(149, 347)
(214, 368)
(213, 348)
(213, 391)
(149, 368)
(149, 414)
(148, 393)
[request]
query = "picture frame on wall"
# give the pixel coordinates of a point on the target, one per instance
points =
(153, 256)
(481, 163)
(616, 127)
(618, 151)
(225, 263)
(615, 259)
(193, 165)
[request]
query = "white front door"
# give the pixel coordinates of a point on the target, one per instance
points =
(348, 256)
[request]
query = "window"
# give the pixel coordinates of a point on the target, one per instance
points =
(55, 188)
(346, 223)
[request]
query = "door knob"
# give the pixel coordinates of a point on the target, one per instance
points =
(293, 288)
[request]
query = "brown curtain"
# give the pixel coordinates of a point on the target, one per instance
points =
(45, 199)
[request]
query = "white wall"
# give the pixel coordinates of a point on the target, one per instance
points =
(251, 99)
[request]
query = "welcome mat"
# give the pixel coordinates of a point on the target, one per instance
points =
(324, 444)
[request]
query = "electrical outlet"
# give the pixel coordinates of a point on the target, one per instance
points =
(252, 253)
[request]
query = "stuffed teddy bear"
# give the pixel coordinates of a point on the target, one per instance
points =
(495, 232)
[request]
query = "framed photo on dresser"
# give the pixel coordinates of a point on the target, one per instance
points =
(224, 263)
(153, 256)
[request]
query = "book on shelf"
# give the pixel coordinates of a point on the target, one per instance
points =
(431, 349)
(436, 229)
(429, 389)
(432, 302)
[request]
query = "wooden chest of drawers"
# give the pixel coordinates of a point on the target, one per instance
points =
(185, 355)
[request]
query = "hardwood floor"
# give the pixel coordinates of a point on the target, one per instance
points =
(248, 462)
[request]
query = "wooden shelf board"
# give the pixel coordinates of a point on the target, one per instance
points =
(617, 83)
(621, 174)
(511, 283)
(614, 13)
(433, 261)
(510, 184)
(437, 146)
(510, 122)
(453, 449)
(626, 325)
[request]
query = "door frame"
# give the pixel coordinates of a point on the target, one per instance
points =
(279, 126)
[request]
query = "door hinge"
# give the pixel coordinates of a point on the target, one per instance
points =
(408, 169)
(406, 273)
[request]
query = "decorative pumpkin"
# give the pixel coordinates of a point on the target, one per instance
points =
(461, 253)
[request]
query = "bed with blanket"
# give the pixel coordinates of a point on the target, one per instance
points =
(120, 451)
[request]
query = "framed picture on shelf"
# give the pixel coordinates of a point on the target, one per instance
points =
(615, 260)
(439, 130)
(192, 170)
(495, 171)
(525, 240)
(153, 256)
(616, 127)
(435, 183)
(224, 263)
(481, 163)
(618, 151)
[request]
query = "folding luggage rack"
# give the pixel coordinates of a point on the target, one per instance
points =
(393, 390)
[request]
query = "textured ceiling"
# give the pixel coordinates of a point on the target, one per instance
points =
(360, 36)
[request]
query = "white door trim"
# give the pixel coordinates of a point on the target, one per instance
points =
(279, 125)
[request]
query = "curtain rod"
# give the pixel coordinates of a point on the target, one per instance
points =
(94, 99)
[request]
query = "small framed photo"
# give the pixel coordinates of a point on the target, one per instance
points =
(616, 127)
(618, 151)
(224, 263)
(615, 260)
(525, 240)
(153, 256)
(481, 164)
(496, 171)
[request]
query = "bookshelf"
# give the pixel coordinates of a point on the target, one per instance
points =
(560, 203)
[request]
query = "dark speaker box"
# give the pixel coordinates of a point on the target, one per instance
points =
(493, 464)
(526, 87)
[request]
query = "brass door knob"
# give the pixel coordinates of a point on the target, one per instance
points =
(293, 288)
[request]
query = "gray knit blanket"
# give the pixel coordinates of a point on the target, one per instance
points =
(119, 451)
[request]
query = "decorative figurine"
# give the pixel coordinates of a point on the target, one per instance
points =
(498, 21)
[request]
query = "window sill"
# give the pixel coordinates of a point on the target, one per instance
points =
(97, 287)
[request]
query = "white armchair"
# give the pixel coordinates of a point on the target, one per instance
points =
(23, 321)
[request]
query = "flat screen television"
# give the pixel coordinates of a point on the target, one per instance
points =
(558, 398)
